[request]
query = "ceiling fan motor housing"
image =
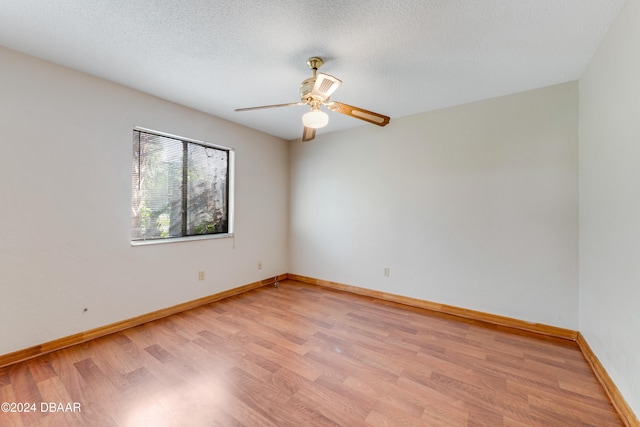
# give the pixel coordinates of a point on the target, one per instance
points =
(318, 88)
(306, 87)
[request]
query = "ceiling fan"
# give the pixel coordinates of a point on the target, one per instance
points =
(314, 92)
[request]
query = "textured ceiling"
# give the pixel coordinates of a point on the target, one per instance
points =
(395, 57)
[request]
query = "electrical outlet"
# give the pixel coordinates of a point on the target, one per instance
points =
(259, 265)
(387, 272)
(201, 275)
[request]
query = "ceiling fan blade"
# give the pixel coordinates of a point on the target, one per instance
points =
(324, 86)
(359, 113)
(308, 134)
(262, 107)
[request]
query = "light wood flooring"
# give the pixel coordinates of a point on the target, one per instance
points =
(302, 355)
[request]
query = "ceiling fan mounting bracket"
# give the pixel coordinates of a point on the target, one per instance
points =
(314, 62)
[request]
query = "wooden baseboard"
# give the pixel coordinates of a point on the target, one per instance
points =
(48, 347)
(493, 319)
(618, 401)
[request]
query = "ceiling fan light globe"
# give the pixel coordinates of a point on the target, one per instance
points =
(315, 119)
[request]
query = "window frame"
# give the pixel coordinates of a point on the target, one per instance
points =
(230, 193)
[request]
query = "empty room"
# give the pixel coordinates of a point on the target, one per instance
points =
(419, 213)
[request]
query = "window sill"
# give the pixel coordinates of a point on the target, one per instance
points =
(181, 239)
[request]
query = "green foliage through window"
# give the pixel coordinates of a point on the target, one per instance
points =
(180, 187)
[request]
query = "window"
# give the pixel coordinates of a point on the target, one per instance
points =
(180, 188)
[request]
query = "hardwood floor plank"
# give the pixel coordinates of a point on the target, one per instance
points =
(10, 419)
(25, 391)
(309, 415)
(93, 407)
(284, 357)
(573, 406)
(53, 391)
(233, 353)
(386, 415)
(332, 406)
(159, 353)
(438, 407)
(262, 397)
(388, 392)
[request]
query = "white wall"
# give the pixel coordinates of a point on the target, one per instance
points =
(65, 201)
(610, 203)
(473, 206)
